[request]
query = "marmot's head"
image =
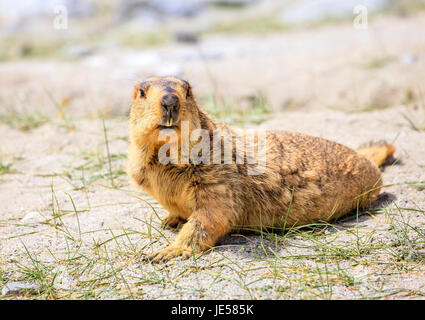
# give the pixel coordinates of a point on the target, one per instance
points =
(162, 102)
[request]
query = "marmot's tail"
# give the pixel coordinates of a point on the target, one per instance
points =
(377, 152)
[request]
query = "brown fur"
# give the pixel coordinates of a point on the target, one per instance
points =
(307, 179)
(377, 152)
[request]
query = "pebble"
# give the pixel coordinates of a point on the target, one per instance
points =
(19, 287)
(408, 58)
(186, 37)
(33, 216)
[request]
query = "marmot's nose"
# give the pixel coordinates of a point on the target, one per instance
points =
(170, 102)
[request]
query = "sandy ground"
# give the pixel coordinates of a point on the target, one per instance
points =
(70, 222)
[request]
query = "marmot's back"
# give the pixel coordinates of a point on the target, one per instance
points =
(316, 178)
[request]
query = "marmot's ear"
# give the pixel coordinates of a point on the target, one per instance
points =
(136, 90)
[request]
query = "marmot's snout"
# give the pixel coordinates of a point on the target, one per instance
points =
(170, 105)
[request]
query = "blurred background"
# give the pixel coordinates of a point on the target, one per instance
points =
(247, 60)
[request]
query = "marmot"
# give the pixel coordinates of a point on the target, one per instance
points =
(306, 179)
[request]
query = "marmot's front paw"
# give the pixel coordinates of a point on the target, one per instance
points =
(170, 253)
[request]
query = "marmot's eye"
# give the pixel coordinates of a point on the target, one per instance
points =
(188, 92)
(142, 93)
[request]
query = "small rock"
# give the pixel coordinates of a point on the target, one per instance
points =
(186, 37)
(408, 58)
(33, 216)
(19, 287)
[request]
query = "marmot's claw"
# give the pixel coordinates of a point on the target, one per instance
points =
(168, 254)
(145, 258)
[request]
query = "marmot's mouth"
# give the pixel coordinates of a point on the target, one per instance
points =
(173, 126)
